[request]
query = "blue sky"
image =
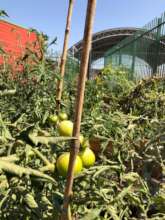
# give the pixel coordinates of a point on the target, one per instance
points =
(49, 16)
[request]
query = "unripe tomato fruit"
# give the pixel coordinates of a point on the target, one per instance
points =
(65, 128)
(63, 116)
(63, 163)
(53, 118)
(88, 157)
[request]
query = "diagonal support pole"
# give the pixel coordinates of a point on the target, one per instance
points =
(64, 56)
(66, 215)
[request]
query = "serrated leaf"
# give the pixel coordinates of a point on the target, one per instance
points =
(20, 171)
(47, 140)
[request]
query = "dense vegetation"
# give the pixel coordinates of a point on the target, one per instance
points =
(125, 124)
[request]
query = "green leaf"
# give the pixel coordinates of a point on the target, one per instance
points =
(8, 92)
(5, 133)
(3, 13)
(47, 140)
(130, 177)
(30, 201)
(92, 214)
(113, 212)
(20, 171)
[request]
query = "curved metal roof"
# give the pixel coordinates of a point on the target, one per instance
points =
(102, 41)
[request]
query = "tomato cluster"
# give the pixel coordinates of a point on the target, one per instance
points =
(86, 157)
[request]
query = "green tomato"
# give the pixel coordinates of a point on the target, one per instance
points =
(53, 118)
(63, 164)
(88, 157)
(65, 128)
(63, 116)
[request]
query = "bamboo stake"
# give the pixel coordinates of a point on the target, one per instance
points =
(64, 55)
(66, 215)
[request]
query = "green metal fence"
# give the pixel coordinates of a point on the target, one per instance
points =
(143, 53)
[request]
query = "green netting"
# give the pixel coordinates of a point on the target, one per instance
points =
(72, 67)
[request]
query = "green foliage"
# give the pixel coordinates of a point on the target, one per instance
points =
(3, 13)
(33, 88)
(124, 122)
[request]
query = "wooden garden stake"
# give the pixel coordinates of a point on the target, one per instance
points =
(64, 55)
(66, 215)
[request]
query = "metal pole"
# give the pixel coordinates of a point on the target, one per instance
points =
(64, 55)
(133, 59)
(157, 47)
(79, 106)
(120, 57)
(89, 64)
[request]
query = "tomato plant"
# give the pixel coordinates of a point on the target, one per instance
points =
(123, 124)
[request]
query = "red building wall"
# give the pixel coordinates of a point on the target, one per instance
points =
(14, 40)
